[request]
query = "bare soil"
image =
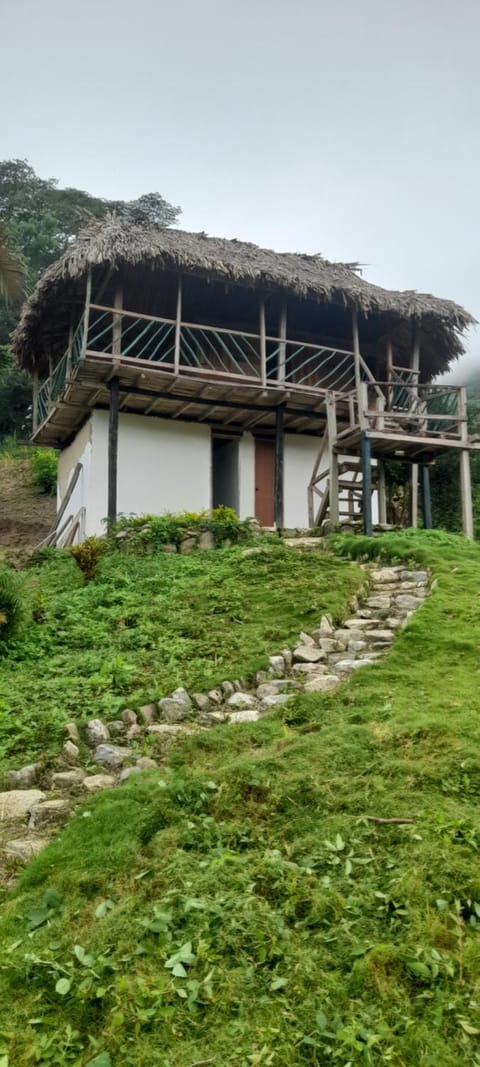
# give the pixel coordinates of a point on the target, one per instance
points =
(26, 516)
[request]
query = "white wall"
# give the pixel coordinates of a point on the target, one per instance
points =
(299, 458)
(79, 451)
(163, 465)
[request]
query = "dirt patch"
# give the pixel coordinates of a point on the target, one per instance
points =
(26, 516)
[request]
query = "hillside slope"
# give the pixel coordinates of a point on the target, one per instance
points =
(238, 907)
(26, 516)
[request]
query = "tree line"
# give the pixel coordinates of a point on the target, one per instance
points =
(37, 221)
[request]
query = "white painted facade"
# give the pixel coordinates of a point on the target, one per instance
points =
(167, 465)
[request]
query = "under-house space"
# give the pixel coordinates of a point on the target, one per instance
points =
(178, 371)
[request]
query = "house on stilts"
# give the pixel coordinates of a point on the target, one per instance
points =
(176, 371)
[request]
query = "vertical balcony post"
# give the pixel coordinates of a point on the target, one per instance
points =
(117, 322)
(282, 348)
(366, 461)
(279, 465)
(86, 323)
(178, 325)
(414, 495)
(263, 343)
(356, 350)
(465, 473)
(333, 461)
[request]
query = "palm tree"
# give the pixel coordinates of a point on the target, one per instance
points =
(12, 274)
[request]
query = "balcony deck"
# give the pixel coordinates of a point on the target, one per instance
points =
(236, 381)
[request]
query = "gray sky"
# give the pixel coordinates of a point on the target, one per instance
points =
(346, 127)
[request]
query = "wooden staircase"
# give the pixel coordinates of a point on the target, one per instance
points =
(348, 487)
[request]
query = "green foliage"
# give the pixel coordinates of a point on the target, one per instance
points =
(150, 532)
(44, 469)
(149, 623)
(87, 556)
(12, 606)
(15, 397)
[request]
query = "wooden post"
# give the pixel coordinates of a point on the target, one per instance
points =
(333, 461)
(117, 322)
(426, 496)
(113, 452)
(415, 360)
(178, 326)
(34, 399)
(263, 343)
(88, 300)
(279, 457)
(366, 461)
(465, 474)
(282, 348)
(356, 351)
(382, 493)
(414, 495)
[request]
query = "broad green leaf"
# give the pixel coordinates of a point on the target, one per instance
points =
(103, 909)
(103, 1060)
(179, 970)
(320, 1020)
(63, 986)
(469, 1029)
(279, 983)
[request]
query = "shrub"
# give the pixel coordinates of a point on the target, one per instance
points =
(88, 554)
(149, 532)
(12, 607)
(44, 468)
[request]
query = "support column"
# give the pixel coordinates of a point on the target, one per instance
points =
(279, 467)
(356, 350)
(366, 459)
(465, 475)
(414, 496)
(263, 343)
(113, 452)
(333, 462)
(426, 497)
(88, 300)
(382, 493)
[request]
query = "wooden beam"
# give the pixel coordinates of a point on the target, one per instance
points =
(382, 493)
(414, 495)
(117, 322)
(113, 452)
(282, 348)
(263, 343)
(366, 460)
(279, 467)
(178, 326)
(333, 461)
(356, 350)
(86, 323)
(415, 360)
(465, 473)
(426, 496)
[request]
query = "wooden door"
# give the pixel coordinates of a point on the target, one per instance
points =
(265, 482)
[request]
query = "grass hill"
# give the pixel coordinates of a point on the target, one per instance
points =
(237, 907)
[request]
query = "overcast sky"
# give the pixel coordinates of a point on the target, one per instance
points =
(346, 127)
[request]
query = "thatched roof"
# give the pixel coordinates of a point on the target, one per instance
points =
(115, 242)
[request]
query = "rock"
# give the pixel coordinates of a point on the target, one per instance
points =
(327, 644)
(16, 803)
(384, 575)
(127, 772)
(169, 547)
(25, 777)
(393, 623)
(167, 729)
(381, 635)
(306, 639)
(96, 732)
(300, 669)
(49, 811)
(112, 756)
(215, 696)
(129, 717)
(206, 541)
(23, 849)
(277, 664)
(134, 731)
(380, 603)
(308, 654)
(262, 676)
(356, 646)
(145, 763)
(71, 730)
(187, 546)
(344, 666)
(227, 688)
(249, 715)
(406, 602)
(70, 752)
(172, 710)
(288, 657)
(216, 717)
(270, 689)
(182, 696)
(326, 626)
(354, 624)
(274, 701)
(242, 700)
(414, 576)
(95, 782)
(117, 728)
(364, 613)
(69, 780)
(201, 701)
(321, 683)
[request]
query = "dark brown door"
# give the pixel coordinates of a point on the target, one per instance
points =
(264, 482)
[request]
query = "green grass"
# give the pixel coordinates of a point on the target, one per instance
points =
(147, 624)
(239, 908)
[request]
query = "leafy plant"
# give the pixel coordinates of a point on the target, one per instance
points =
(44, 468)
(12, 605)
(87, 555)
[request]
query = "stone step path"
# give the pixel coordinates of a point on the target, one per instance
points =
(36, 804)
